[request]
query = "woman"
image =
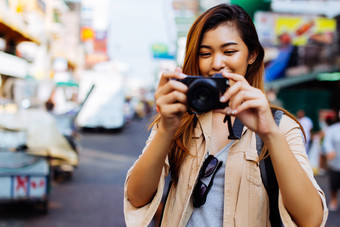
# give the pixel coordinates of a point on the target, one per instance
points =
(222, 40)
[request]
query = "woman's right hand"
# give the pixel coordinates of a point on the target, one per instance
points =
(144, 178)
(171, 100)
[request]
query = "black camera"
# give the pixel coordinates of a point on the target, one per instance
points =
(204, 93)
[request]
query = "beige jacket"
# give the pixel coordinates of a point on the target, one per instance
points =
(245, 198)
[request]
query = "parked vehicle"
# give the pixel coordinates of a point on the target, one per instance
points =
(37, 133)
(104, 107)
(25, 177)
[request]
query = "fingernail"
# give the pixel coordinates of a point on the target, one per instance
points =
(234, 112)
(228, 109)
(222, 99)
(182, 75)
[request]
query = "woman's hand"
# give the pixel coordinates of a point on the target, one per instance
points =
(171, 100)
(248, 104)
(171, 104)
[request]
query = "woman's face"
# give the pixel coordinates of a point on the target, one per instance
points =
(222, 49)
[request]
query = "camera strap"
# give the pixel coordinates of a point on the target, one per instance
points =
(235, 131)
(268, 177)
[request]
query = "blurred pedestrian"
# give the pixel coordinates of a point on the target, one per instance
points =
(332, 150)
(307, 125)
(129, 110)
(216, 178)
(49, 105)
(323, 159)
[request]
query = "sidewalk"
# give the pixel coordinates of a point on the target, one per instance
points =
(333, 216)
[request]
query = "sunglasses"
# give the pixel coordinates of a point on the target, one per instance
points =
(201, 190)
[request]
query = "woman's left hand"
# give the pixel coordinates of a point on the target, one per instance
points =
(248, 104)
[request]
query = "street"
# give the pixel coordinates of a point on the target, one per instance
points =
(334, 216)
(94, 196)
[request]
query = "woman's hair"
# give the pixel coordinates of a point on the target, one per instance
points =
(232, 15)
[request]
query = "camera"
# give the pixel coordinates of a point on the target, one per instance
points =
(204, 93)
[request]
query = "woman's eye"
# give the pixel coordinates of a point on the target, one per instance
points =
(204, 54)
(230, 52)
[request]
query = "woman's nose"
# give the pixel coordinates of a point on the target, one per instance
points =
(218, 62)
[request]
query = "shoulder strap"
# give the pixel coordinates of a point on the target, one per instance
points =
(269, 178)
(165, 199)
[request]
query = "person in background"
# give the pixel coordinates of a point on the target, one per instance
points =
(322, 157)
(129, 111)
(307, 125)
(216, 179)
(332, 149)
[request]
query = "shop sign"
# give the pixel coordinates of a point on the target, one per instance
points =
(277, 29)
(86, 34)
(161, 50)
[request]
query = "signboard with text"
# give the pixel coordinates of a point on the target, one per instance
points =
(278, 29)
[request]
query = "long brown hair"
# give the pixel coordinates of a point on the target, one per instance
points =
(210, 19)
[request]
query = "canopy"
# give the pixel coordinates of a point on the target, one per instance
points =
(14, 28)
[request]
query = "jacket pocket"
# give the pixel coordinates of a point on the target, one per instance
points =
(252, 168)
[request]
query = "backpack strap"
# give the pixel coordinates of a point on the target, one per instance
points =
(165, 199)
(269, 178)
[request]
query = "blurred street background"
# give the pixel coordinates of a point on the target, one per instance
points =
(77, 79)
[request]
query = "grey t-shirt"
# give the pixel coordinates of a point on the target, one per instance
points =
(332, 143)
(211, 213)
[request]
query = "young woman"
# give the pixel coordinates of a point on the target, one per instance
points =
(196, 151)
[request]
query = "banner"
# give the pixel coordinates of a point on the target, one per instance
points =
(278, 29)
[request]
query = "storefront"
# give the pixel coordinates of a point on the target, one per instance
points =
(14, 69)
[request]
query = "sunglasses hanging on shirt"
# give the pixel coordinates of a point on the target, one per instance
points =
(201, 190)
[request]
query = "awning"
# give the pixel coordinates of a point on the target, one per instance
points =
(13, 26)
(67, 84)
(331, 75)
(12, 65)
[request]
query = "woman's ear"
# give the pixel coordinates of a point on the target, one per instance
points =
(252, 58)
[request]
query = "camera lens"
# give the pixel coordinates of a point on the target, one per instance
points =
(201, 99)
(202, 95)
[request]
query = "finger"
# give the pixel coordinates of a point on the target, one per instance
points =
(170, 75)
(177, 85)
(169, 87)
(234, 77)
(244, 95)
(241, 97)
(171, 109)
(226, 110)
(250, 104)
(172, 97)
(233, 90)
